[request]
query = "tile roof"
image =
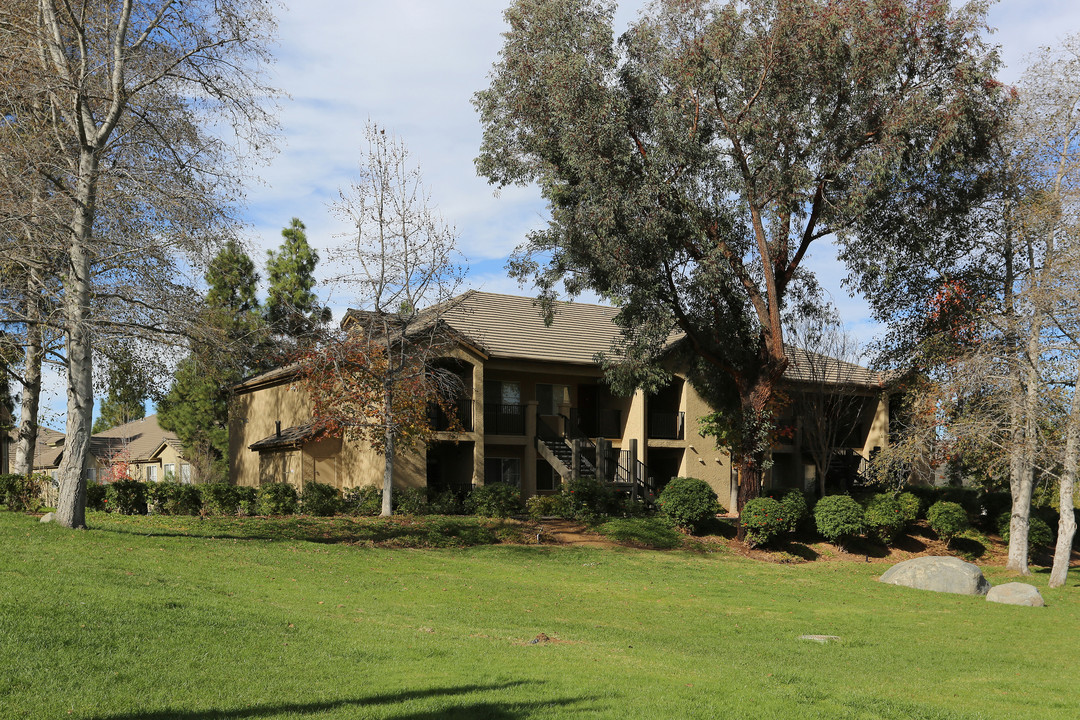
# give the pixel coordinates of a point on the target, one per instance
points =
(289, 437)
(142, 438)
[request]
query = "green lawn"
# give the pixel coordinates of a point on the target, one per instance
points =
(143, 618)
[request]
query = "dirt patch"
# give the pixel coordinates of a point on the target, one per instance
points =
(570, 532)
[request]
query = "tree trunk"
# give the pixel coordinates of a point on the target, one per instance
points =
(756, 440)
(388, 450)
(1022, 462)
(71, 507)
(1066, 513)
(31, 389)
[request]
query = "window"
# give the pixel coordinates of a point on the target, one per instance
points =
(90, 475)
(151, 473)
(170, 471)
(185, 473)
(504, 470)
(549, 397)
(502, 392)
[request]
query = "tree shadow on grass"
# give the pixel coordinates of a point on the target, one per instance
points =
(402, 532)
(800, 550)
(490, 710)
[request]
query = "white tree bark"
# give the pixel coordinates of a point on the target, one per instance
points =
(1066, 512)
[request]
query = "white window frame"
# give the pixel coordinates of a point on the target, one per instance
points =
(185, 473)
(152, 473)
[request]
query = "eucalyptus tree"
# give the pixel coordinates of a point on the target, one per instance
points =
(148, 105)
(692, 165)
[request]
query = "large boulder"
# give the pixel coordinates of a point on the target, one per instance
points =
(1015, 593)
(48, 517)
(940, 574)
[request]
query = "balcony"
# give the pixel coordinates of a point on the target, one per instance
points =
(667, 425)
(504, 419)
(603, 422)
(441, 422)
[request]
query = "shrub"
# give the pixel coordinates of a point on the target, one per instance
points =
(446, 503)
(884, 518)
(411, 501)
(277, 499)
(631, 508)
(248, 499)
(910, 506)
(589, 498)
(796, 509)
(763, 519)
(655, 532)
(126, 497)
(224, 499)
(95, 496)
(366, 500)
(494, 500)
(1040, 534)
(947, 519)
(838, 518)
(319, 499)
(688, 502)
(172, 498)
(21, 493)
(558, 505)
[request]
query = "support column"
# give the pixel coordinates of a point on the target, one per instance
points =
(528, 462)
(478, 424)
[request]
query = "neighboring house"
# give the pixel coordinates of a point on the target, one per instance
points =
(151, 454)
(535, 406)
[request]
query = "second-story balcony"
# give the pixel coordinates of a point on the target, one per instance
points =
(441, 421)
(602, 422)
(667, 425)
(504, 419)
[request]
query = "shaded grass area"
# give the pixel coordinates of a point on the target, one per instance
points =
(117, 624)
(647, 532)
(434, 531)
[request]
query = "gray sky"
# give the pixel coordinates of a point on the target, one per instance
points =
(412, 66)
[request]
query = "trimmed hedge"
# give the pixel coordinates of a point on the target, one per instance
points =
(277, 499)
(884, 518)
(366, 500)
(688, 502)
(320, 499)
(21, 493)
(126, 497)
(495, 500)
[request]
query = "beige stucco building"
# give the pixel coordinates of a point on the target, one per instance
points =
(532, 393)
(151, 454)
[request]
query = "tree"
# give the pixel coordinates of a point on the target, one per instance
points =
(196, 406)
(293, 311)
(130, 93)
(827, 392)
(129, 383)
(691, 167)
(373, 382)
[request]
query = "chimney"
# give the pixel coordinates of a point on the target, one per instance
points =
(277, 429)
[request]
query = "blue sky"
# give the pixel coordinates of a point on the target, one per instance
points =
(412, 66)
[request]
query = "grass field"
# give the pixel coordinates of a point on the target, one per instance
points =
(191, 620)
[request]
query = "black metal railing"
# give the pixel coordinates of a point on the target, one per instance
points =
(635, 473)
(667, 425)
(441, 421)
(603, 422)
(504, 419)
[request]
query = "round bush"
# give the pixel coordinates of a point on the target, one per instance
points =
(410, 501)
(688, 502)
(126, 497)
(494, 500)
(910, 506)
(884, 518)
(589, 499)
(320, 499)
(762, 520)
(277, 499)
(947, 519)
(839, 517)
(796, 509)
(1040, 534)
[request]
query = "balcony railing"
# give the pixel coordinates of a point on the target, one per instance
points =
(667, 425)
(440, 421)
(603, 422)
(504, 419)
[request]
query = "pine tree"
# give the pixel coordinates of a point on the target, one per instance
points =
(293, 311)
(196, 407)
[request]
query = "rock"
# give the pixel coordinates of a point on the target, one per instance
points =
(940, 574)
(1015, 593)
(820, 638)
(48, 517)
